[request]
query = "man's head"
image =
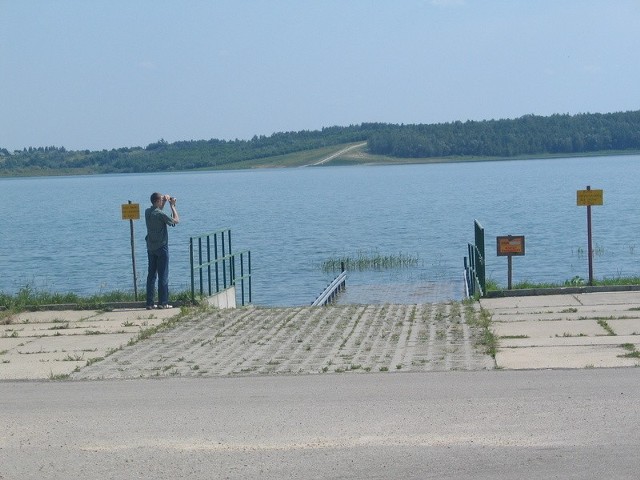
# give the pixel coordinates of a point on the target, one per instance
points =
(157, 198)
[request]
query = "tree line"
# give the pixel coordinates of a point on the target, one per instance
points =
(527, 135)
(183, 155)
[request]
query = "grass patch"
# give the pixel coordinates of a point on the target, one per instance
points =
(166, 324)
(31, 298)
(73, 358)
(488, 340)
(634, 354)
(605, 325)
(492, 285)
(631, 351)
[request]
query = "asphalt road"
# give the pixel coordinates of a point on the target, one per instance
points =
(483, 424)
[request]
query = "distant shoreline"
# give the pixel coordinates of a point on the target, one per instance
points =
(351, 157)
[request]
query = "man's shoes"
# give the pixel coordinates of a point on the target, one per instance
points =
(165, 306)
(150, 307)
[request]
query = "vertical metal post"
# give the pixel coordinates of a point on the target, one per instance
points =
(509, 271)
(200, 264)
(209, 262)
(466, 277)
(193, 280)
(480, 264)
(232, 263)
(589, 242)
(224, 264)
(249, 266)
(242, 277)
(215, 255)
(472, 271)
(133, 261)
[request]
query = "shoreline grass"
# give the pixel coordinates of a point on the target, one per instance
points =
(492, 285)
(30, 298)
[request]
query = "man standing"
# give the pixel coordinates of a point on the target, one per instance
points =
(158, 247)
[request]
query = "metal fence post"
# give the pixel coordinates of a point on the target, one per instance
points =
(193, 280)
(480, 267)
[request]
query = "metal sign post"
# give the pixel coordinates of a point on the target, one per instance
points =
(131, 212)
(510, 246)
(587, 198)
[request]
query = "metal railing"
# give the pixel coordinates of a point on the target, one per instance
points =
(218, 273)
(330, 293)
(474, 264)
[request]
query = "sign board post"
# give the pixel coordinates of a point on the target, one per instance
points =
(510, 246)
(587, 198)
(131, 212)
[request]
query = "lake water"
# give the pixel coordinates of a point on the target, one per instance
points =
(66, 233)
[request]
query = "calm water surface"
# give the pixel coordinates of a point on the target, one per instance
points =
(66, 233)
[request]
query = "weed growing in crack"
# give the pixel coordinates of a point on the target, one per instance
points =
(605, 325)
(632, 352)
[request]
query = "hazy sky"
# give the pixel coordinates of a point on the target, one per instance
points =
(121, 73)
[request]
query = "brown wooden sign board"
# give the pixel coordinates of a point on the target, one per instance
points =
(510, 245)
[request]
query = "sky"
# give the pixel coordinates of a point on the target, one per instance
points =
(106, 74)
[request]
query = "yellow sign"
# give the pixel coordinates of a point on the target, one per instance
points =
(130, 211)
(589, 197)
(510, 245)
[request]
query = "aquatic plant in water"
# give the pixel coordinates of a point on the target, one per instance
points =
(369, 261)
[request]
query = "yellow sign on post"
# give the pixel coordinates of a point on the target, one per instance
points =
(589, 197)
(130, 211)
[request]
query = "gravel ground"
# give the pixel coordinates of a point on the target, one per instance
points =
(305, 340)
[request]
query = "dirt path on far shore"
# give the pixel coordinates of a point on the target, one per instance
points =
(334, 155)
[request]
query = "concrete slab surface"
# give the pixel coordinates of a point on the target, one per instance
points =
(629, 299)
(74, 343)
(566, 341)
(563, 331)
(625, 326)
(546, 329)
(588, 356)
(536, 301)
(53, 344)
(589, 330)
(52, 316)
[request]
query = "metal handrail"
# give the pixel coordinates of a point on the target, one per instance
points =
(474, 264)
(223, 263)
(331, 291)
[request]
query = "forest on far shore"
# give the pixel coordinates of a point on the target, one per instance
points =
(525, 136)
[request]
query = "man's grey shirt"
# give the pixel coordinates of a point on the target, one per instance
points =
(157, 221)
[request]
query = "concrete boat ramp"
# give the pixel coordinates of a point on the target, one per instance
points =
(590, 330)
